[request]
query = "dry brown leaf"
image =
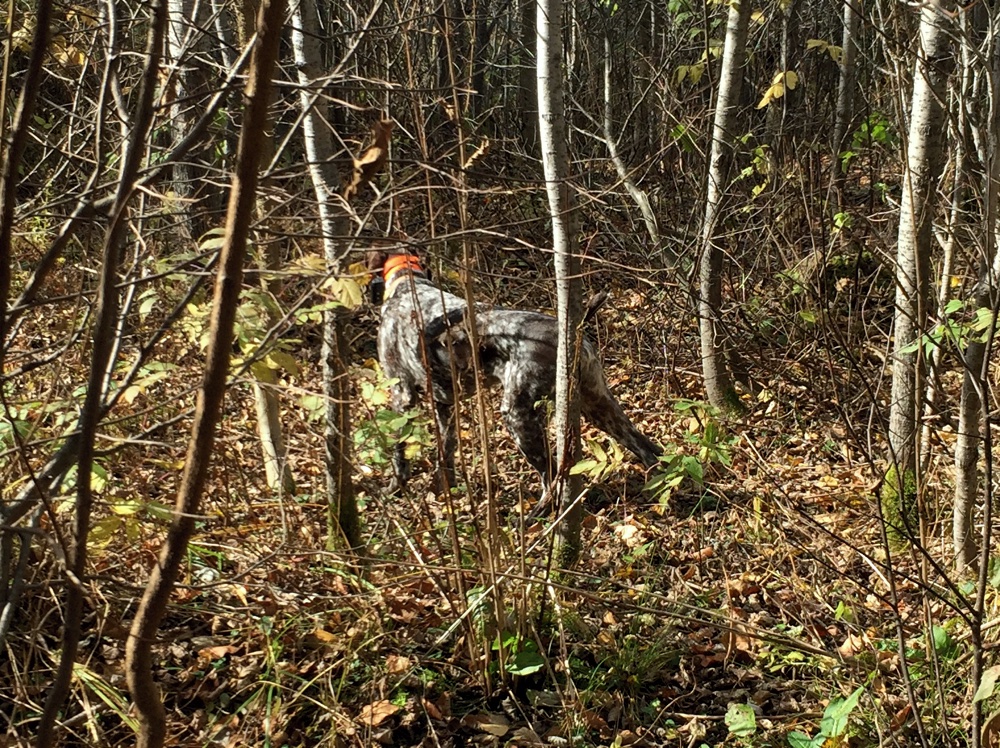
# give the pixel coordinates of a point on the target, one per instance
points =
(215, 653)
(494, 724)
(397, 664)
(371, 161)
(377, 712)
(853, 645)
(991, 731)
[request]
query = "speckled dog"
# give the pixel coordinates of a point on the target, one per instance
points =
(424, 343)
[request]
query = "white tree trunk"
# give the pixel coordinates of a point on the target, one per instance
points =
(342, 518)
(555, 159)
(718, 382)
(975, 378)
(913, 276)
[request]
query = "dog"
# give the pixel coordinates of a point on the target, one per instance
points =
(425, 346)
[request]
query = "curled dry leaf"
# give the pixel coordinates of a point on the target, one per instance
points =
(853, 645)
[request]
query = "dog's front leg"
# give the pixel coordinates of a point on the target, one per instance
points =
(448, 441)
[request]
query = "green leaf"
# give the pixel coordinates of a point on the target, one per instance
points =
(798, 739)
(741, 720)
(987, 684)
(526, 663)
(694, 468)
(837, 714)
(953, 306)
(585, 467)
(944, 645)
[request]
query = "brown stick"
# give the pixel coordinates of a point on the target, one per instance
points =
(138, 650)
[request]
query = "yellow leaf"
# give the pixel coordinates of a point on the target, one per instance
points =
(131, 393)
(758, 16)
(310, 265)
(126, 508)
(347, 291)
(359, 271)
(282, 360)
(791, 80)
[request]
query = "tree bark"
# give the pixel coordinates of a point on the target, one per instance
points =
(913, 250)
(138, 649)
(569, 289)
(527, 89)
(844, 115)
(975, 380)
(718, 382)
(342, 512)
(186, 40)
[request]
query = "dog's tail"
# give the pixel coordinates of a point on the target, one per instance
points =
(594, 304)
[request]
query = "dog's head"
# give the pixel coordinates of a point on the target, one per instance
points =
(388, 265)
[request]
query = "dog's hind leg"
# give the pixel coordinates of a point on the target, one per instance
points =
(526, 422)
(444, 413)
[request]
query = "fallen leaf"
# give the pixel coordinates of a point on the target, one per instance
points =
(377, 712)
(397, 664)
(494, 724)
(853, 645)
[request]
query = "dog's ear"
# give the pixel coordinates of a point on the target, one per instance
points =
(376, 286)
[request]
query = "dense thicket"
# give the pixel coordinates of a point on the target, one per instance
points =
(787, 264)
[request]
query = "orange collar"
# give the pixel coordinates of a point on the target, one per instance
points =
(398, 263)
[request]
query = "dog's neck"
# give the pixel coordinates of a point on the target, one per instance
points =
(398, 269)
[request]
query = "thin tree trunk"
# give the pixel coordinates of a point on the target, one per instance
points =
(638, 195)
(845, 90)
(975, 380)
(569, 291)
(229, 280)
(342, 513)
(913, 277)
(185, 41)
(527, 90)
(267, 405)
(718, 381)
(779, 127)
(19, 133)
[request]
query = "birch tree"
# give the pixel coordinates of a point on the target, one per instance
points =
(718, 380)
(914, 296)
(569, 306)
(975, 376)
(342, 511)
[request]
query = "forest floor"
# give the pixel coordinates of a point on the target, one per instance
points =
(752, 609)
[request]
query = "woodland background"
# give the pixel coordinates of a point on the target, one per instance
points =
(793, 208)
